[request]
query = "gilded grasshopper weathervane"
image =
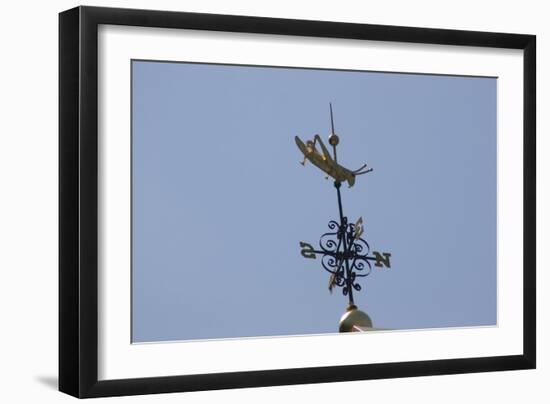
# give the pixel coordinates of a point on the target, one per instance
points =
(345, 255)
(325, 162)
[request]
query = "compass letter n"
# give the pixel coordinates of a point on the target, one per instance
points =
(382, 260)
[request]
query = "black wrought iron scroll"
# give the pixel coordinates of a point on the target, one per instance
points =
(344, 254)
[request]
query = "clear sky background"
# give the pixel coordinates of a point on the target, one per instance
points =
(220, 202)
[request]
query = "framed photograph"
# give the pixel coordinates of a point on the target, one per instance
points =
(251, 201)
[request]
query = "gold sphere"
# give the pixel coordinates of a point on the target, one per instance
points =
(354, 317)
(333, 139)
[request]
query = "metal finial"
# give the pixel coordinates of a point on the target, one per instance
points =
(333, 138)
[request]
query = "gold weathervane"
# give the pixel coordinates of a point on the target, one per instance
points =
(325, 161)
(343, 251)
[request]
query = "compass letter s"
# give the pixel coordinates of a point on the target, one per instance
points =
(307, 250)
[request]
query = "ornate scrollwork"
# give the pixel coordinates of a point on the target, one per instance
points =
(344, 255)
(329, 263)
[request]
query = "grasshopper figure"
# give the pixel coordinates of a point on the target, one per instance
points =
(325, 162)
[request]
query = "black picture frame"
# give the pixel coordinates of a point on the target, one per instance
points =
(78, 201)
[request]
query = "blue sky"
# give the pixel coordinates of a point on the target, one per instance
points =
(220, 202)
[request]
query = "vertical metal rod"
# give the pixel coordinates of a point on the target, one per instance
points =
(343, 226)
(331, 119)
(337, 186)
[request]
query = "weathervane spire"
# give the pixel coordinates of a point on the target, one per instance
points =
(331, 118)
(344, 253)
(333, 138)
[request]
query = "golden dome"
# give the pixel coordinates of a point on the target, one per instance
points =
(354, 317)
